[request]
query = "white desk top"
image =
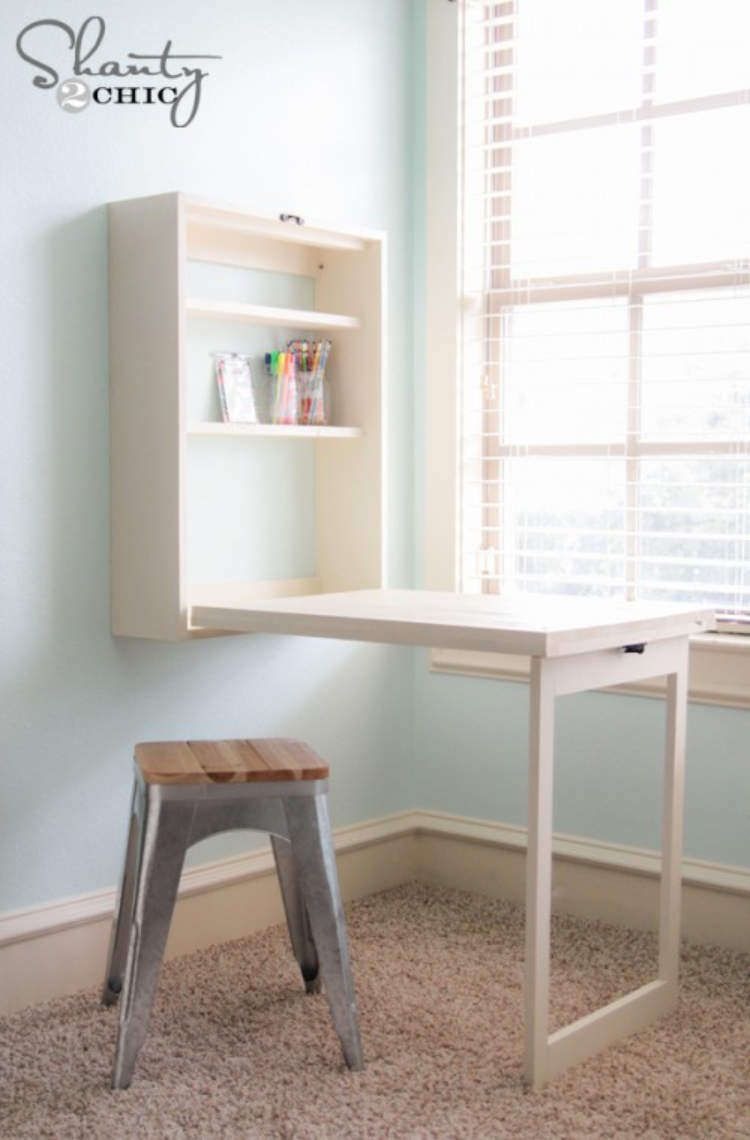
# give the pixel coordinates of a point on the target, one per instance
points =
(537, 625)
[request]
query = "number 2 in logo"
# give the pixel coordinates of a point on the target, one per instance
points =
(73, 95)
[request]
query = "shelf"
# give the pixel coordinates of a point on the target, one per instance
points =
(286, 431)
(268, 315)
(242, 593)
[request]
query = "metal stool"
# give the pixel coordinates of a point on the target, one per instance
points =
(187, 790)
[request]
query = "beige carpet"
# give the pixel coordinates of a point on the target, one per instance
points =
(236, 1049)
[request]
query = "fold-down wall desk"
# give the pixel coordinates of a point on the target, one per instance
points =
(574, 644)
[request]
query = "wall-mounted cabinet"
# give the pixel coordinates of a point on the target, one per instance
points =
(204, 511)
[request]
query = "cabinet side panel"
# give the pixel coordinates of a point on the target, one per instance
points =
(350, 488)
(145, 317)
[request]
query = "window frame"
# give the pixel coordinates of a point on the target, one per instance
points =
(720, 662)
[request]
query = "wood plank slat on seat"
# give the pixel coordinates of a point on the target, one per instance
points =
(228, 761)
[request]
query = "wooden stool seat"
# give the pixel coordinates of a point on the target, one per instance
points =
(228, 761)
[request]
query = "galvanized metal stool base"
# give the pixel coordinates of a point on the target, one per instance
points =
(168, 817)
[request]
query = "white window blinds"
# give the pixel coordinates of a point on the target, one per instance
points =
(605, 299)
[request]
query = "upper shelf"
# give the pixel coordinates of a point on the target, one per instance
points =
(268, 315)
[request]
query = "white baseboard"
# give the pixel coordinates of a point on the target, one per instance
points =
(59, 948)
(590, 878)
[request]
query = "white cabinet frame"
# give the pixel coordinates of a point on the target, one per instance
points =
(155, 436)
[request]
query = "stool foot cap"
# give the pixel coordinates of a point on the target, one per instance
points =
(111, 991)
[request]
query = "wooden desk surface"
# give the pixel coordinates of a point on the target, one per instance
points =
(537, 625)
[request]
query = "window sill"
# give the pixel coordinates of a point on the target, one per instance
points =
(719, 669)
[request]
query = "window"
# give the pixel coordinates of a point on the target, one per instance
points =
(603, 353)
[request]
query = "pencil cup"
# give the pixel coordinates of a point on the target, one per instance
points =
(314, 398)
(284, 399)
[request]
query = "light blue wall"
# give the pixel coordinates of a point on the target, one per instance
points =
(472, 740)
(317, 108)
(308, 111)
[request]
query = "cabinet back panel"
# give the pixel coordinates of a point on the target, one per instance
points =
(256, 286)
(250, 509)
(207, 243)
(351, 548)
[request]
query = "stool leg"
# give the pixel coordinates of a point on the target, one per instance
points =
(297, 920)
(118, 945)
(315, 861)
(165, 840)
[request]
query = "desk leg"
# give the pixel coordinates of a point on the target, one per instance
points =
(547, 1055)
(539, 870)
(672, 818)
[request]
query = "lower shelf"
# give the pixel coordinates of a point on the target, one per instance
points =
(242, 594)
(285, 431)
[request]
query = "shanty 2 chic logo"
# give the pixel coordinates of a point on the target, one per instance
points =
(179, 82)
